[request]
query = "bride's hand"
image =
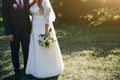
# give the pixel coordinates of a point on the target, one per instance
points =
(47, 32)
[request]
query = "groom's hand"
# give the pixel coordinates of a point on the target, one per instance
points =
(10, 37)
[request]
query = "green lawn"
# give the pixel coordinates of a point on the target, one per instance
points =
(89, 53)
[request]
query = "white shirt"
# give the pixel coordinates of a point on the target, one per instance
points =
(18, 2)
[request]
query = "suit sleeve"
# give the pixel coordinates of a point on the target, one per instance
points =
(28, 5)
(6, 17)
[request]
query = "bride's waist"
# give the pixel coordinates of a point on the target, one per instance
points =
(35, 17)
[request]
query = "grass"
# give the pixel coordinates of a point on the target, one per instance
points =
(89, 53)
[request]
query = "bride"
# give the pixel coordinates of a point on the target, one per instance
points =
(43, 62)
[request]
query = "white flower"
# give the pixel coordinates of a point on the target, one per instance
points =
(45, 41)
(47, 38)
(15, 6)
(50, 41)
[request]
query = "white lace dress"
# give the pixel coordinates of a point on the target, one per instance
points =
(43, 62)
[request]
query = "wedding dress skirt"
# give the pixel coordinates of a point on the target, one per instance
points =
(43, 62)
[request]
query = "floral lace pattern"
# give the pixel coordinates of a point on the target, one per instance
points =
(35, 10)
(46, 11)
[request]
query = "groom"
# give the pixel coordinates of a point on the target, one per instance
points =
(17, 25)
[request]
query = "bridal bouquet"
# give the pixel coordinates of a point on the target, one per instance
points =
(45, 40)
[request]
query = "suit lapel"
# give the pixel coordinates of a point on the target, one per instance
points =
(15, 2)
(18, 4)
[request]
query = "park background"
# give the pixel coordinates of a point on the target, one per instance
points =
(88, 32)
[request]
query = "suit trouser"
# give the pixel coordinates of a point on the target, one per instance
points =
(24, 39)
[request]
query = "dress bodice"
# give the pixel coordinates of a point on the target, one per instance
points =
(35, 10)
(45, 12)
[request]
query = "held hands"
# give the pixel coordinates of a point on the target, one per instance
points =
(10, 37)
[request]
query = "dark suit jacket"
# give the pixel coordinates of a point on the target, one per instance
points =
(15, 20)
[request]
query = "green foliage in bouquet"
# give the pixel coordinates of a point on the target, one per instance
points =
(45, 40)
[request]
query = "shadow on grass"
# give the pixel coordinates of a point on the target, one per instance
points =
(23, 77)
(1, 23)
(9, 78)
(117, 77)
(102, 40)
(93, 43)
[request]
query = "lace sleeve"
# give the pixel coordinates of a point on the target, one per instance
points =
(46, 11)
